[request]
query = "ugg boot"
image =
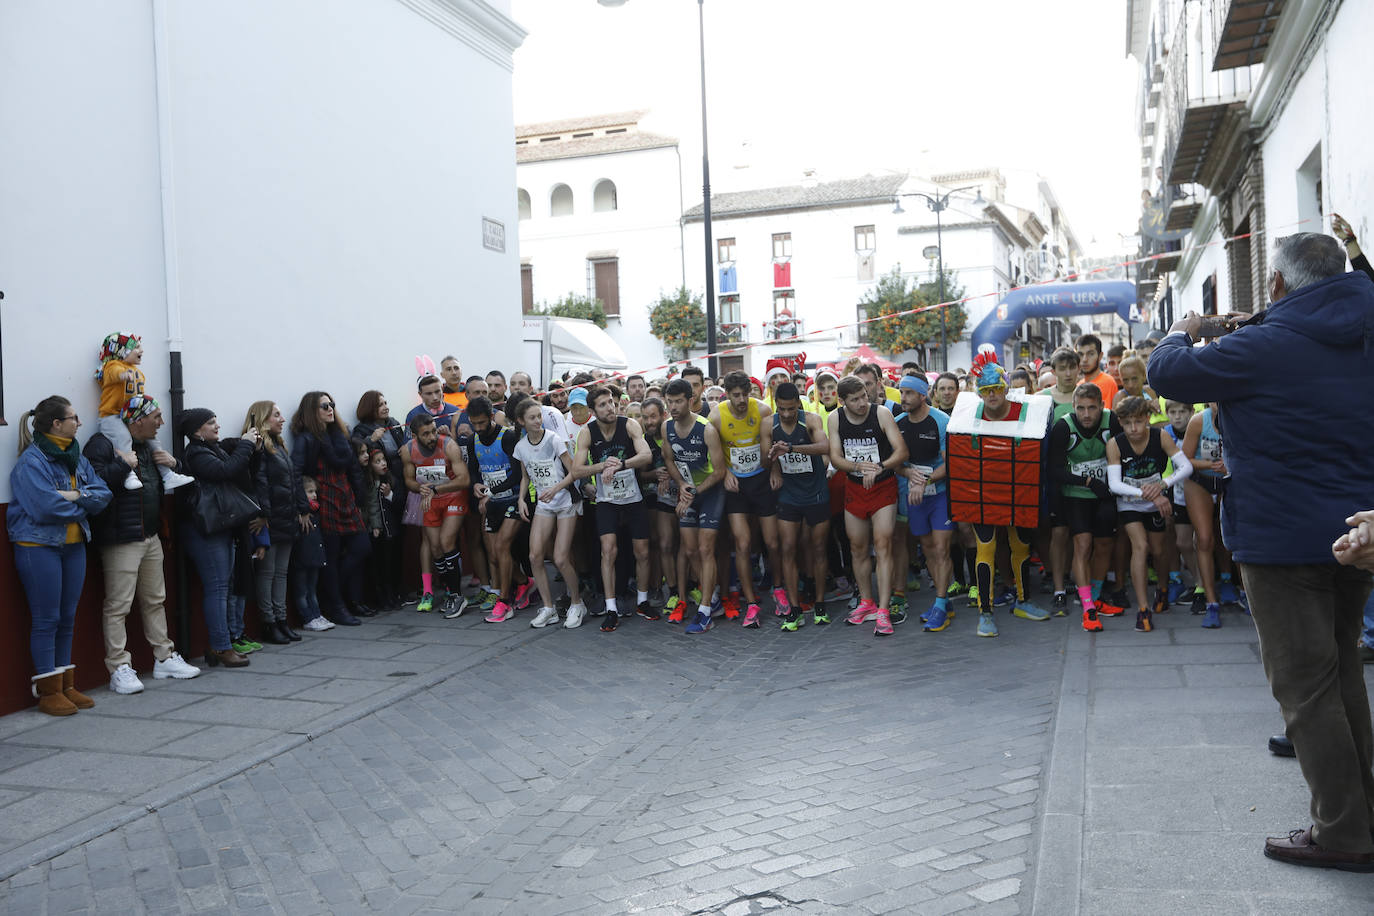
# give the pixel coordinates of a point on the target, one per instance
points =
(77, 698)
(48, 689)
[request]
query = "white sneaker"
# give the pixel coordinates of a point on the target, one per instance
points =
(174, 666)
(575, 615)
(173, 480)
(545, 617)
(125, 681)
(132, 482)
(319, 625)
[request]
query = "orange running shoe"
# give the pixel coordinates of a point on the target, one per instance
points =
(1091, 622)
(731, 605)
(1109, 610)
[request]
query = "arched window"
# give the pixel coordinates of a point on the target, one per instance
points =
(603, 198)
(523, 202)
(561, 201)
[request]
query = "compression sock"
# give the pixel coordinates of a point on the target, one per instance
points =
(1097, 589)
(1085, 596)
(427, 582)
(453, 572)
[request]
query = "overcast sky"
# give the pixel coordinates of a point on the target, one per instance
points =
(862, 86)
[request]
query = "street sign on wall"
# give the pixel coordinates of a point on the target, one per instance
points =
(493, 235)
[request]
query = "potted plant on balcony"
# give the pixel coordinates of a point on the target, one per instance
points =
(678, 320)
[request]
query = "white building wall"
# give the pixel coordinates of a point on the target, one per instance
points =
(644, 232)
(328, 174)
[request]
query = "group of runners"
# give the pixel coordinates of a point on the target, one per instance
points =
(654, 501)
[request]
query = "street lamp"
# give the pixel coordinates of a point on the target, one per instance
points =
(938, 204)
(711, 362)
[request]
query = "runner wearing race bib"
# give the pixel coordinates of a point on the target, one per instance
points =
(745, 426)
(489, 458)
(1082, 505)
(436, 475)
(1180, 415)
(695, 462)
(866, 446)
(546, 465)
(1136, 461)
(923, 492)
(612, 448)
(660, 494)
(1202, 494)
(799, 467)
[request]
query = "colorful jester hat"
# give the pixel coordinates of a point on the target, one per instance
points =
(986, 371)
(117, 346)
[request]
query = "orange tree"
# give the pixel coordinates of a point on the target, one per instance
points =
(893, 294)
(678, 319)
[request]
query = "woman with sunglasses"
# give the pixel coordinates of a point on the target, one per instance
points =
(322, 451)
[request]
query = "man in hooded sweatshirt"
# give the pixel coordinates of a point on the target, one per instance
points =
(1299, 468)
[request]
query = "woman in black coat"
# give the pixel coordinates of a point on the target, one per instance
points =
(214, 553)
(277, 484)
(378, 429)
(322, 451)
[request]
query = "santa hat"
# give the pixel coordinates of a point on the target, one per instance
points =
(757, 383)
(777, 367)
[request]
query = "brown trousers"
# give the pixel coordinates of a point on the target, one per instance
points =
(134, 570)
(1309, 621)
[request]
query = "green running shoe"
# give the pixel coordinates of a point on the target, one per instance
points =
(426, 603)
(820, 618)
(973, 596)
(794, 621)
(244, 646)
(896, 609)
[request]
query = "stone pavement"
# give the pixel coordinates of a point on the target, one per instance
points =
(1162, 788)
(567, 771)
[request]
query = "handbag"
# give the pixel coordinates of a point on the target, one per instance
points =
(413, 515)
(219, 506)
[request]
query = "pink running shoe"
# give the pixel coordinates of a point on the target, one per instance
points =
(884, 624)
(865, 612)
(780, 605)
(500, 613)
(523, 595)
(751, 617)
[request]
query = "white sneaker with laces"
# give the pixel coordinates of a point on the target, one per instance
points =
(319, 625)
(125, 681)
(545, 617)
(575, 615)
(132, 482)
(174, 666)
(172, 480)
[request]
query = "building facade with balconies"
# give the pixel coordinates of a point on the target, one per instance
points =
(1249, 132)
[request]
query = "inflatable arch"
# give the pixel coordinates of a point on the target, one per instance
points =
(1055, 300)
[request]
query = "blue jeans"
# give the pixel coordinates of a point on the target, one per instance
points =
(270, 578)
(52, 578)
(214, 558)
(304, 586)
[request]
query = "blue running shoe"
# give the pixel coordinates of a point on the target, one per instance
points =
(986, 625)
(1226, 592)
(717, 608)
(700, 625)
(1177, 592)
(1244, 603)
(1004, 597)
(1027, 611)
(936, 619)
(1212, 619)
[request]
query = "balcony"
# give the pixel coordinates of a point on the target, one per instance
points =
(1243, 29)
(731, 331)
(783, 328)
(1185, 203)
(1205, 118)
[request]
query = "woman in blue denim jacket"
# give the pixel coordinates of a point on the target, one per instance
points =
(53, 490)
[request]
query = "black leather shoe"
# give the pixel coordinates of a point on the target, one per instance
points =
(344, 619)
(270, 634)
(362, 610)
(1281, 746)
(286, 631)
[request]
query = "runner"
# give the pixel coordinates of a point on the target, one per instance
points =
(546, 464)
(697, 379)
(489, 457)
(1136, 462)
(1063, 366)
(1203, 492)
(745, 427)
(434, 469)
(872, 377)
(612, 448)
(1090, 359)
(799, 454)
(926, 492)
(697, 467)
(1084, 509)
(660, 495)
(866, 446)
(947, 391)
(1181, 552)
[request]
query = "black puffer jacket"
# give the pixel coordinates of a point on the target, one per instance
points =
(128, 517)
(227, 460)
(277, 484)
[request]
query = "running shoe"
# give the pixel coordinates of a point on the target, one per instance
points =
(610, 621)
(936, 619)
(1244, 603)
(1027, 611)
(576, 613)
(854, 599)
(1060, 605)
(883, 626)
(675, 608)
(717, 608)
(490, 598)
(1152, 575)
(863, 613)
(1226, 592)
(820, 618)
(700, 625)
(1117, 598)
(751, 617)
(896, 609)
(1144, 621)
(1109, 608)
(842, 589)
(1199, 602)
(973, 596)
(546, 616)
(243, 645)
(1004, 597)
(455, 605)
(781, 607)
(1161, 603)
(426, 603)
(987, 626)
(695, 595)
(794, 621)
(1212, 620)
(1177, 591)
(956, 588)
(1091, 622)
(500, 613)
(647, 611)
(523, 594)
(731, 605)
